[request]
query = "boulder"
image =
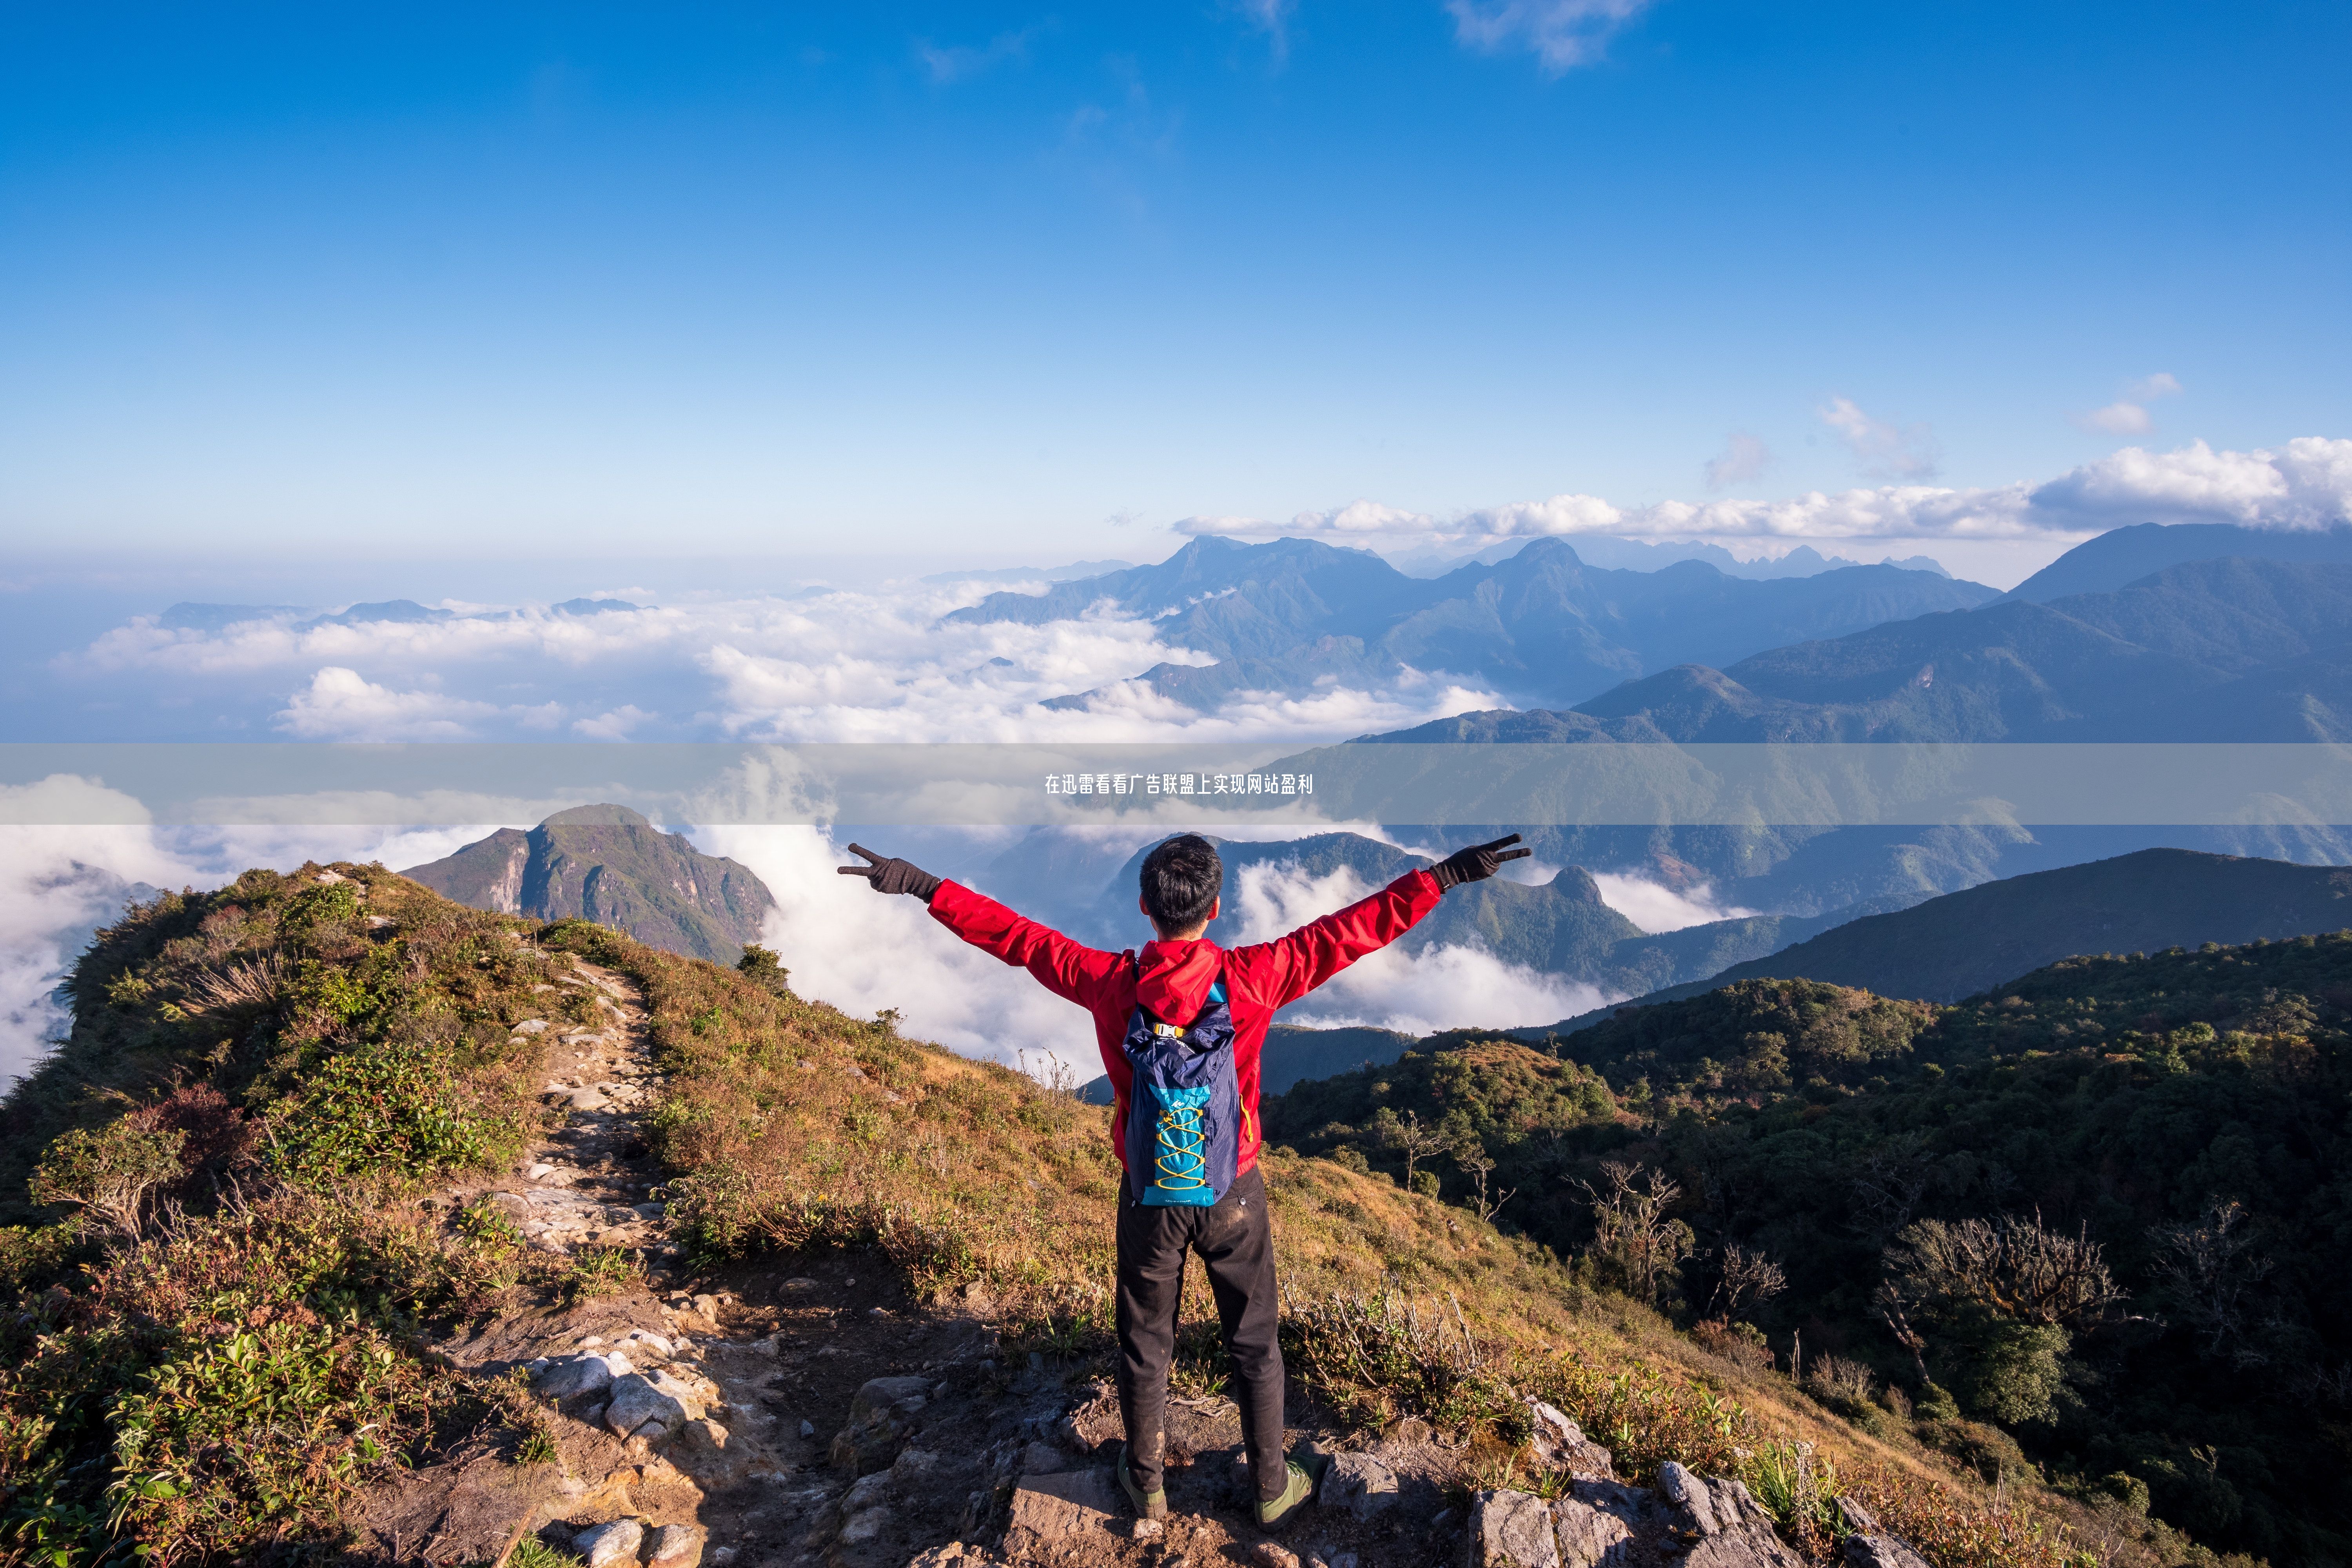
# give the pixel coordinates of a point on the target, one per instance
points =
(867, 1493)
(610, 1543)
(568, 1379)
(703, 1438)
(881, 1414)
(1732, 1529)
(1511, 1530)
(867, 1525)
(1361, 1484)
(1049, 1512)
(676, 1546)
(914, 1467)
(1867, 1546)
(1561, 1442)
(1589, 1537)
(637, 1404)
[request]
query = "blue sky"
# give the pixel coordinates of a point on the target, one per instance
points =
(1001, 283)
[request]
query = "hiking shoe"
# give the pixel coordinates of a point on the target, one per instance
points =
(1147, 1505)
(1298, 1489)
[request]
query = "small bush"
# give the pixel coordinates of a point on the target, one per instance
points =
(108, 1173)
(397, 1112)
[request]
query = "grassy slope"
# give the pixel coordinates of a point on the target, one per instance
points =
(973, 1181)
(2115, 1097)
(127, 1375)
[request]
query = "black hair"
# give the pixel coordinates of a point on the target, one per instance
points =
(1181, 878)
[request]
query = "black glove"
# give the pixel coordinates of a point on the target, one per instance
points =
(1474, 864)
(892, 875)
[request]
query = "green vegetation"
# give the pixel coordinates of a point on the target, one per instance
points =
(224, 1269)
(2081, 1230)
(211, 1345)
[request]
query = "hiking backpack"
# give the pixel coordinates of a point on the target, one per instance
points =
(1184, 1106)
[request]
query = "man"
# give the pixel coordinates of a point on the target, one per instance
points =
(1174, 980)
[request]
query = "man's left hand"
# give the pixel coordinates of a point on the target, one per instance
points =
(1476, 863)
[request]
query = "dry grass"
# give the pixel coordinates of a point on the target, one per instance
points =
(794, 1125)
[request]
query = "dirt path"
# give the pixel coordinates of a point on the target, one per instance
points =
(794, 1412)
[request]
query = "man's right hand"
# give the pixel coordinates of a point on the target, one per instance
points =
(1474, 864)
(887, 875)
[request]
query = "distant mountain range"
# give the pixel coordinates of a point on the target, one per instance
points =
(2233, 649)
(1563, 927)
(1541, 625)
(1956, 946)
(608, 864)
(218, 617)
(1960, 945)
(2125, 555)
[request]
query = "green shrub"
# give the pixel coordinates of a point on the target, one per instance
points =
(109, 1173)
(396, 1111)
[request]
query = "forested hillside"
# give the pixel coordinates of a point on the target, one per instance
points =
(2086, 1227)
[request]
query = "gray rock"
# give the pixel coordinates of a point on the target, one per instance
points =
(808, 1428)
(914, 1467)
(1561, 1442)
(1589, 1537)
(867, 1493)
(610, 1543)
(637, 1403)
(880, 1415)
(1734, 1530)
(570, 1379)
(676, 1546)
(1868, 1546)
(1044, 1459)
(705, 1438)
(864, 1527)
(1361, 1484)
(1048, 1511)
(1511, 1530)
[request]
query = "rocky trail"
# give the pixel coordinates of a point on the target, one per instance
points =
(788, 1412)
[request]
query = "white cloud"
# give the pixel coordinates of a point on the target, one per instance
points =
(862, 952)
(834, 666)
(1744, 457)
(1561, 34)
(1656, 908)
(2306, 483)
(1885, 450)
(340, 705)
(2128, 414)
(957, 62)
(1271, 18)
(615, 725)
(1443, 987)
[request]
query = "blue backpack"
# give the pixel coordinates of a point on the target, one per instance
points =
(1184, 1106)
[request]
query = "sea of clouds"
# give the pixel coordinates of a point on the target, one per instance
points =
(879, 664)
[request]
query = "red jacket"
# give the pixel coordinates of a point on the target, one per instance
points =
(1172, 978)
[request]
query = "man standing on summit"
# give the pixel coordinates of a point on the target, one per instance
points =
(1181, 1024)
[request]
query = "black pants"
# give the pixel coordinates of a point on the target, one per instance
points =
(1236, 1244)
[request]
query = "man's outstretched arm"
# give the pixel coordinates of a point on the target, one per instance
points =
(1287, 968)
(1068, 969)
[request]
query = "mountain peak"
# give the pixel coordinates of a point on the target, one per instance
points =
(656, 885)
(603, 815)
